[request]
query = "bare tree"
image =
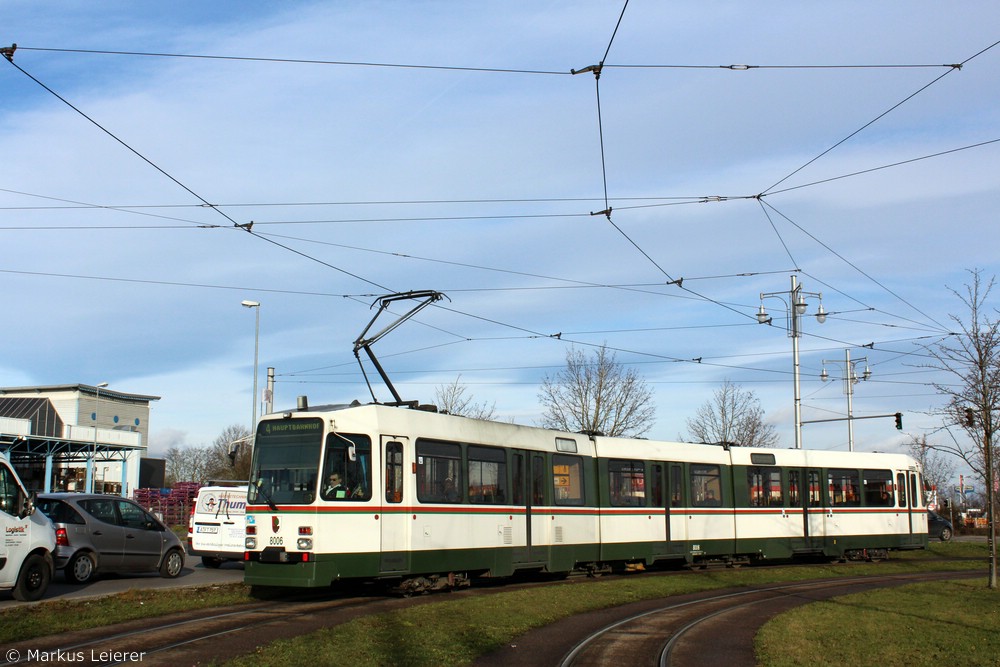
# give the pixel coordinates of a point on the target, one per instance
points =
(971, 358)
(732, 415)
(228, 457)
(939, 469)
(597, 395)
(230, 453)
(186, 464)
(452, 399)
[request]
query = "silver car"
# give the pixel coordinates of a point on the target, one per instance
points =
(100, 534)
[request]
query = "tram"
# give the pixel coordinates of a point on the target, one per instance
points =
(429, 500)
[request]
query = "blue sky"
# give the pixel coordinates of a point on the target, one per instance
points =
(446, 146)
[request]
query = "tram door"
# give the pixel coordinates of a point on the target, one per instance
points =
(675, 491)
(395, 552)
(658, 495)
(907, 491)
(813, 511)
(529, 493)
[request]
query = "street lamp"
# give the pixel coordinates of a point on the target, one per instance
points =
(256, 341)
(93, 454)
(795, 308)
(851, 378)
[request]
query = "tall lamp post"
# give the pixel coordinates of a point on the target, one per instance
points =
(256, 341)
(93, 454)
(795, 308)
(851, 378)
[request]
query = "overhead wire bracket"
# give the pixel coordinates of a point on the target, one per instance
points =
(425, 297)
(8, 52)
(596, 69)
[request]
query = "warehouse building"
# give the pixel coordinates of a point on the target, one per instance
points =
(75, 437)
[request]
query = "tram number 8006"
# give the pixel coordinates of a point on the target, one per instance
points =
(276, 541)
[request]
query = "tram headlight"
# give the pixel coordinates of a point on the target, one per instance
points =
(251, 543)
(304, 544)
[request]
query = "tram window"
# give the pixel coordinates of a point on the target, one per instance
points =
(676, 486)
(901, 488)
(706, 485)
(764, 487)
(843, 485)
(656, 485)
(913, 491)
(394, 472)
(347, 460)
(487, 475)
(815, 490)
(878, 488)
(627, 483)
(567, 477)
(537, 480)
(794, 493)
(439, 472)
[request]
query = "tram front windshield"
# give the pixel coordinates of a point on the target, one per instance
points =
(286, 462)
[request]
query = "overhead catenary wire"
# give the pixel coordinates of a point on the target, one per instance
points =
(245, 226)
(951, 69)
(248, 227)
(853, 265)
(606, 200)
(485, 70)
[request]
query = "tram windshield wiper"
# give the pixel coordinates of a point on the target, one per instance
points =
(259, 485)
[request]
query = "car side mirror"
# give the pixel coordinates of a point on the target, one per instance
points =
(27, 507)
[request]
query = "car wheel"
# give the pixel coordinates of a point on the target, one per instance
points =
(945, 534)
(208, 561)
(172, 564)
(33, 579)
(81, 568)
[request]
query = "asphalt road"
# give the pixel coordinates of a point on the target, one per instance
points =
(194, 574)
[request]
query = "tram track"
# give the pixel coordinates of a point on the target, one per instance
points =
(212, 635)
(640, 630)
(712, 628)
(176, 640)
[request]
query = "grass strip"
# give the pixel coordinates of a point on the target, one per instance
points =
(50, 618)
(457, 631)
(484, 632)
(918, 625)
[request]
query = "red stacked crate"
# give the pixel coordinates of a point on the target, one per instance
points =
(178, 508)
(172, 505)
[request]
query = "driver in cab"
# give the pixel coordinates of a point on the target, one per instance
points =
(334, 488)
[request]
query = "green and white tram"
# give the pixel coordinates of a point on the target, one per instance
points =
(430, 500)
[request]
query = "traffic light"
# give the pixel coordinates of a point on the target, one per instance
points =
(899, 421)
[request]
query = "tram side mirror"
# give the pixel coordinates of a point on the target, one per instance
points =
(352, 453)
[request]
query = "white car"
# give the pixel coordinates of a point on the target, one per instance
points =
(28, 541)
(217, 526)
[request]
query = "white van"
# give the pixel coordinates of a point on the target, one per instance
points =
(217, 527)
(28, 540)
